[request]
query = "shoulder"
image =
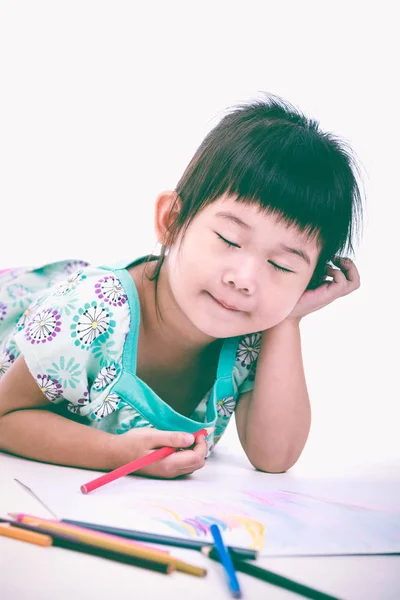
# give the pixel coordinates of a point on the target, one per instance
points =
(92, 302)
(87, 309)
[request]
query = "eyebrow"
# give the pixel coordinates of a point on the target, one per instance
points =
(231, 217)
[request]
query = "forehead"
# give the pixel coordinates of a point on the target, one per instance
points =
(251, 218)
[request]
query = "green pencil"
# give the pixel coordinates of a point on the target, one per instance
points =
(63, 541)
(156, 538)
(283, 582)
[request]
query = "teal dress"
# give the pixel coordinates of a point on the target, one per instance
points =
(77, 326)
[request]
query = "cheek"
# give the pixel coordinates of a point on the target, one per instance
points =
(276, 306)
(186, 278)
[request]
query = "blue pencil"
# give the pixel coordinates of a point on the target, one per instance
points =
(226, 561)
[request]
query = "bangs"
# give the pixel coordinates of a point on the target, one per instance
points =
(294, 176)
(286, 166)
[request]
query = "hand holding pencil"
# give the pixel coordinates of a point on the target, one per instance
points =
(164, 461)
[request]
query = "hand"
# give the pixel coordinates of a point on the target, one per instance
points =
(346, 279)
(138, 442)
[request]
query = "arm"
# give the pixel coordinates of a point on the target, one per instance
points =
(28, 429)
(273, 420)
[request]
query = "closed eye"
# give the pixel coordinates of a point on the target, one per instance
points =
(278, 268)
(233, 245)
(227, 242)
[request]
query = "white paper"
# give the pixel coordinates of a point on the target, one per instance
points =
(298, 518)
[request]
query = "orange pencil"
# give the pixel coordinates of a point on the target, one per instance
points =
(109, 542)
(40, 539)
(135, 465)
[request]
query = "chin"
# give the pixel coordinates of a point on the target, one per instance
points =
(216, 331)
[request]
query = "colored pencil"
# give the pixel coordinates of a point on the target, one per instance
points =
(40, 539)
(226, 561)
(135, 465)
(167, 540)
(110, 542)
(283, 582)
(66, 542)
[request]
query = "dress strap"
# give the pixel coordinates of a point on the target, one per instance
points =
(225, 367)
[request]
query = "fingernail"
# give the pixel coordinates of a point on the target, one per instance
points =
(188, 438)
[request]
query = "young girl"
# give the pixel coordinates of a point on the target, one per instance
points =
(101, 364)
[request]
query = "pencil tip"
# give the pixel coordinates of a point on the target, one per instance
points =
(209, 430)
(13, 515)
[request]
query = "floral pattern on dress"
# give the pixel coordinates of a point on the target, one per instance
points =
(93, 321)
(103, 351)
(44, 326)
(248, 349)
(6, 360)
(69, 284)
(81, 403)
(51, 388)
(27, 315)
(57, 272)
(10, 347)
(106, 376)
(10, 274)
(74, 265)
(66, 372)
(3, 311)
(67, 304)
(110, 290)
(252, 373)
(226, 406)
(108, 406)
(18, 294)
(135, 420)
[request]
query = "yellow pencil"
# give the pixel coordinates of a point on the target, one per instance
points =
(110, 542)
(40, 539)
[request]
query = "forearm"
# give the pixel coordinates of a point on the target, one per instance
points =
(278, 416)
(48, 437)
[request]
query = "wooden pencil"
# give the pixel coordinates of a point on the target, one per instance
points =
(62, 541)
(226, 561)
(167, 540)
(110, 542)
(40, 539)
(135, 465)
(265, 575)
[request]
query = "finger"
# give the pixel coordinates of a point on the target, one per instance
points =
(347, 266)
(197, 459)
(186, 461)
(350, 271)
(201, 446)
(339, 278)
(157, 438)
(176, 465)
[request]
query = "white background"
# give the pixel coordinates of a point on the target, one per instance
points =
(102, 105)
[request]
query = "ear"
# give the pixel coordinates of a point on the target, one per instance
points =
(168, 205)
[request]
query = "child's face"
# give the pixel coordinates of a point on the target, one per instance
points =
(205, 270)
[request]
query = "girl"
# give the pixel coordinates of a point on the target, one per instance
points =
(100, 365)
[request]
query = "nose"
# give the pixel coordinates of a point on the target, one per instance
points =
(242, 281)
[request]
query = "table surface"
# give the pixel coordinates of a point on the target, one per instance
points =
(57, 573)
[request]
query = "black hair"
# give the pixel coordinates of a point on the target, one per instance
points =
(268, 153)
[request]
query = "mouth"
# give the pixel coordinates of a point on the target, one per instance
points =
(226, 306)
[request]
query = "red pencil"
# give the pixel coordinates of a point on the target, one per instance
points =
(135, 465)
